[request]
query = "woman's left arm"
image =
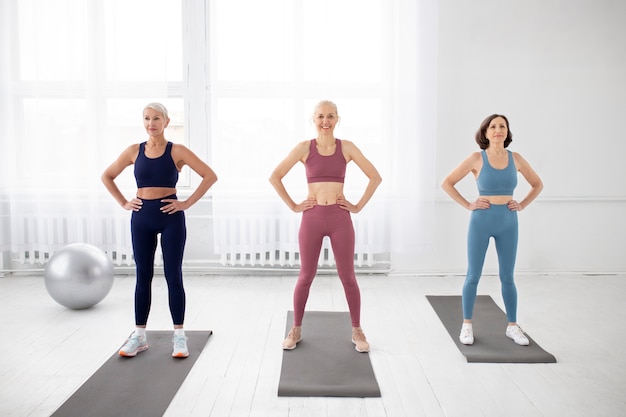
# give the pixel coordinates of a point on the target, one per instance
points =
(184, 156)
(353, 153)
(536, 185)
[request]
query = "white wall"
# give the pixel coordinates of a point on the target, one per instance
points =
(557, 69)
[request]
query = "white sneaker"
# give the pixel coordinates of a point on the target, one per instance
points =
(467, 334)
(517, 334)
(180, 347)
(134, 345)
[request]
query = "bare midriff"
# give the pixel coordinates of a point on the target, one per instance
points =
(325, 193)
(497, 199)
(154, 193)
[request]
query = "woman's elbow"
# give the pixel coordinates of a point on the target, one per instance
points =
(106, 178)
(209, 177)
(274, 179)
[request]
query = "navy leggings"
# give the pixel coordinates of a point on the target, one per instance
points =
(500, 223)
(336, 223)
(145, 225)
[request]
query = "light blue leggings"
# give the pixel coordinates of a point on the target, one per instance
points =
(500, 223)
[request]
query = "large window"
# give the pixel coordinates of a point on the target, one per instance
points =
(80, 72)
(240, 78)
(272, 61)
(75, 76)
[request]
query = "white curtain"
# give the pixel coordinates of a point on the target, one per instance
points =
(240, 78)
(272, 61)
(75, 77)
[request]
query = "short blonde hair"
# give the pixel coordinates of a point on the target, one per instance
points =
(158, 107)
(325, 103)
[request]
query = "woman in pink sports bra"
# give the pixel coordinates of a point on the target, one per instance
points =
(326, 212)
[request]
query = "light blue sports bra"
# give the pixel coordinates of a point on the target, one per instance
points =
(493, 181)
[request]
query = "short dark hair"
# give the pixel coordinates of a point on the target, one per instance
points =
(482, 140)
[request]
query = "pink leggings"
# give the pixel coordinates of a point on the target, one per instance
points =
(336, 223)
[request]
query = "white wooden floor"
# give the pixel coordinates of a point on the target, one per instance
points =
(48, 351)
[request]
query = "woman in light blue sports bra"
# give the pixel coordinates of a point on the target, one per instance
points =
(494, 214)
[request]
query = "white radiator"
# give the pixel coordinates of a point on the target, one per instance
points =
(238, 240)
(271, 241)
(35, 239)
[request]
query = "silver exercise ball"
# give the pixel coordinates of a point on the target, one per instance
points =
(79, 276)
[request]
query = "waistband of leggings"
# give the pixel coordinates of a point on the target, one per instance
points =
(158, 200)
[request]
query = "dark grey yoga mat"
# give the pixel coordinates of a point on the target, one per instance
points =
(325, 363)
(490, 341)
(139, 386)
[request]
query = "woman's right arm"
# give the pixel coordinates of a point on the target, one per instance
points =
(468, 165)
(125, 159)
(276, 179)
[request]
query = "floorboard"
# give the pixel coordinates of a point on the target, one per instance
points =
(49, 351)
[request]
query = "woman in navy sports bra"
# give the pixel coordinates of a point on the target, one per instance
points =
(157, 210)
(326, 212)
(494, 214)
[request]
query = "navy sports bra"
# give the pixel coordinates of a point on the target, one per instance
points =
(492, 181)
(325, 168)
(155, 172)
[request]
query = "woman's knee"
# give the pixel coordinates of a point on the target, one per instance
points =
(472, 279)
(507, 279)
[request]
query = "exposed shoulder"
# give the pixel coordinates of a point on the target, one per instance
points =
(347, 143)
(476, 155)
(520, 162)
(182, 155)
(298, 153)
(128, 156)
(475, 158)
(473, 162)
(180, 150)
(178, 146)
(132, 151)
(349, 148)
(301, 150)
(304, 144)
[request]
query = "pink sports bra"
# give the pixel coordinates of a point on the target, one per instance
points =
(325, 168)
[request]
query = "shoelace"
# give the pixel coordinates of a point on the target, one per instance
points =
(131, 344)
(518, 331)
(180, 341)
(358, 335)
(292, 334)
(133, 341)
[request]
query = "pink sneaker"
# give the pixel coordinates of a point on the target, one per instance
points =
(293, 338)
(359, 340)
